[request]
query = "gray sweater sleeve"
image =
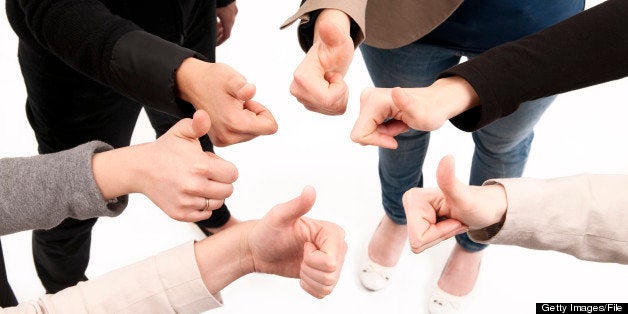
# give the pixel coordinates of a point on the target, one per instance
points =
(39, 192)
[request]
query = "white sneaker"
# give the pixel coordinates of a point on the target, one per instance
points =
(374, 276)
(442, 302)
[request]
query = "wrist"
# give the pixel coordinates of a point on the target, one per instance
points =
(185, 78)
(225, 256)
(458, 95)
(498, 202)
(115, 172)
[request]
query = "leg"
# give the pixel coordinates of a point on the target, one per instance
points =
(66, 109)
(400, 169)
(7, 298)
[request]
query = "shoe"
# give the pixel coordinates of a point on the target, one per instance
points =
(442, 302)
(374, 276)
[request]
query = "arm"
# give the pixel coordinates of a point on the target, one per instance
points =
(49, 188)
(329, 33)
(582, 215)
(168, 281)
(584, 50)
(92, 180)
(114, 51)
(188, 278)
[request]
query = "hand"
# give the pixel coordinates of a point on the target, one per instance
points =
(227, 98)
(318, 81)
(286, 244)
(178, 176)
(436, 214)
(424, 109)
(226, 18)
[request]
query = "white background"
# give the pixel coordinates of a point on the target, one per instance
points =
(583, 131)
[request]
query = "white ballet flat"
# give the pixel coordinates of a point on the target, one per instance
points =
(374, 276)
(442, 302)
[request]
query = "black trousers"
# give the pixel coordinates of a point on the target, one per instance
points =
(7, 298)
(66, 108)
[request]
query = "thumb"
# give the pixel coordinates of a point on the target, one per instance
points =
(193, 128)
(287, 213)
(331, 35)
(401, 99)
(446, 176)
(239, 88)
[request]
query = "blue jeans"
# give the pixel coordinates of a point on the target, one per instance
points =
(501, 148)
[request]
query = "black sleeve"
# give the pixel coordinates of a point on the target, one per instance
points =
(223, 3)
(584, 50)
(110, 49)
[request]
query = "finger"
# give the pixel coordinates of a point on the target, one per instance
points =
(208, 189)
(287, 213)
(331, 250)
(327, 94)
(198, 215)
(216, 169)
(366, 132)
(204, 204)
(420, 213)
(322, 260)
(375, 107)
(322, 277)
(321, 288)
(219, 33)
(435, 241)
(392, 127)
(312, 290)
(227, 26)
(435, 233)
(261, 121)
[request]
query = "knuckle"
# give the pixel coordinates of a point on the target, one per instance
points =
(191, 188)
(366, 94)
(178, 215)
(215, 204)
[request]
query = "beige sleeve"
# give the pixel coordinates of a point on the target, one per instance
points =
(585, 216)
(356, 9)
(169, 282)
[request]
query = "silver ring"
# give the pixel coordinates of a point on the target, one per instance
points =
(206, 208)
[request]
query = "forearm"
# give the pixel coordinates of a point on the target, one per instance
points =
(223, 257)
(114, 51)
(584, 216)
(118, 172)
(49, 188)
(585, 50)
(167, 282)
